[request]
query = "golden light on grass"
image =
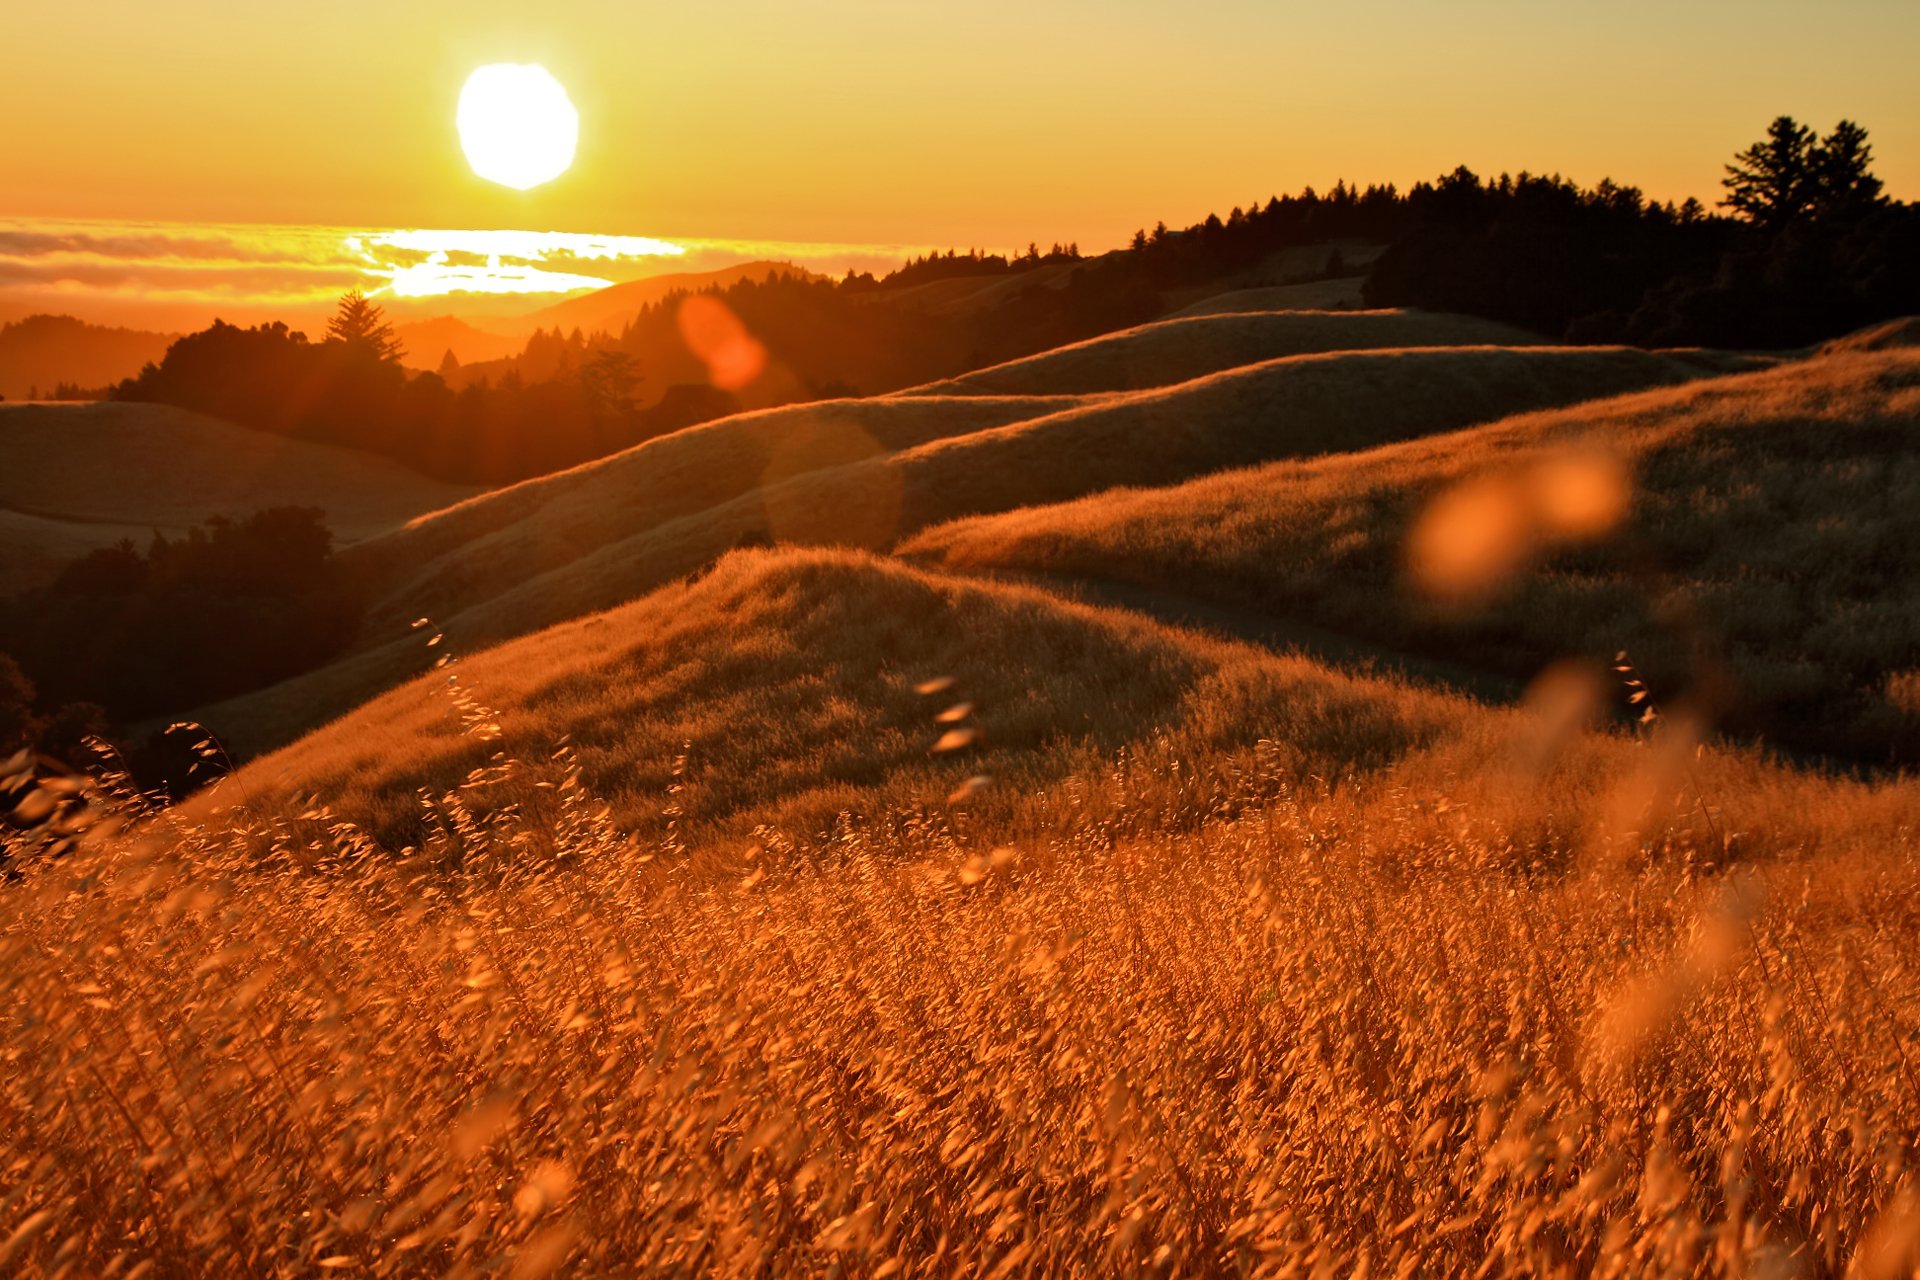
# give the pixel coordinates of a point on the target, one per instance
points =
(517, 125)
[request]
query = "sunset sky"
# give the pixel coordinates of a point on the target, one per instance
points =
(859, 122)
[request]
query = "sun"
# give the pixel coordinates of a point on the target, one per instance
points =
(517, 125)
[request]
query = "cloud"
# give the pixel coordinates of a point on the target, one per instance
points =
(95, 265)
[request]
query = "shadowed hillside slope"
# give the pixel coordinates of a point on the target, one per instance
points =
(1770, 559)
(1172, 351)
(1309, 295)
(595, 552)
(548, 520)
(77, 477)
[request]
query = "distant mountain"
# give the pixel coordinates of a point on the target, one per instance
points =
(428, 341)
(608, 310)
(42, 351)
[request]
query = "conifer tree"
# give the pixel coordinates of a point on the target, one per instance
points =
(361, 326)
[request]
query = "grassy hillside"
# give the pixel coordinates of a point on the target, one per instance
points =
(1236, 965)
(541, 523)
(532, 555)
(519, 559)
(1769, 561)
(923, 459)
(790, 681)
(1171, 351)
(77, 477)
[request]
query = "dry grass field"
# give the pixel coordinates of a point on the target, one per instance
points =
(1769, 558)
(1320, 974)
(77, 477)
(806, 909)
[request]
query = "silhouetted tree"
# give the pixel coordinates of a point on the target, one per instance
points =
(1842, 187)
(449, 365)
(1771, 182)
(362, 327)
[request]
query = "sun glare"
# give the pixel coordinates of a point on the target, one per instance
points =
(517, 125)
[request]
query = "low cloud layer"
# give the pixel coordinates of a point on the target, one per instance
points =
(183, 276)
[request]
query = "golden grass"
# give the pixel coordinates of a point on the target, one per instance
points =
(1890, 335)
(1773, 538)
(1410, 987)
(77, 477)
(1172, 351)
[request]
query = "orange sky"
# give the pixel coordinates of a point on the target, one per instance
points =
(989, 123)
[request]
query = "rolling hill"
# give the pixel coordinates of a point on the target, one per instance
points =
(1166, 352)
(427, 342)
(41, 351)
(867, 473)
(1770, 561)
(77, 477)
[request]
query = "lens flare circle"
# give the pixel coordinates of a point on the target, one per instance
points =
(517, 125)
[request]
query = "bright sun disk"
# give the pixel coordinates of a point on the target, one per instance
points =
(517, 125)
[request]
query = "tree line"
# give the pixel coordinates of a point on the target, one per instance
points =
(350, 390)
(1810, 248)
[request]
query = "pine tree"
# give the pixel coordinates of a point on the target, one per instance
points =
(1841, 185)
(1770, 183)
(361, 326)
(449, 364)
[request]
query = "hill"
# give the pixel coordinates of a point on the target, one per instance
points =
(527, 557)
(77, 477)
(1166, 352)
(1769, 564)
(42, 351)
(427, 342)
(610, 309)
(1310, 295)
(790, 682)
